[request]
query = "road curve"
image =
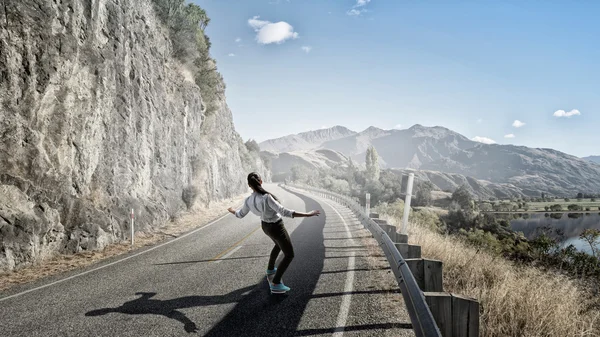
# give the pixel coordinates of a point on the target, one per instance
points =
(211, 282)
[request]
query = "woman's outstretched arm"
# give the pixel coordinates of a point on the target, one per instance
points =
(276, 206)
(306, 215)
(241, 212)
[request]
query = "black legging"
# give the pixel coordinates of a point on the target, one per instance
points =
(277, 232)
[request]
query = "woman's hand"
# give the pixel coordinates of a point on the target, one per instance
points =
(231, 210)
(314, 213)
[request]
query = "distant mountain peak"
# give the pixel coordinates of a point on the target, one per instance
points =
(594, 159)
(305, 140)
(373, 130)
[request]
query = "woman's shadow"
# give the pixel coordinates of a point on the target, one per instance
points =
(145, 305)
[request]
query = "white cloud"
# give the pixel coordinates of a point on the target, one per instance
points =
(483, 140)
(268, 32)
(238, 39)
(398, 126)
(518, 124)
(323, 127)
(479, 121)
(562, 113)
(306, 49)
(357, 9)
(231, 54)
(510, 135)
(355, 12)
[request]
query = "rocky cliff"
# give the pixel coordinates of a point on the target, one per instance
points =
(97, 118)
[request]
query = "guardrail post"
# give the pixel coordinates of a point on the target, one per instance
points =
(455, 315)
(368, 203)
(409, 251)
(427, 273)
(391, 231)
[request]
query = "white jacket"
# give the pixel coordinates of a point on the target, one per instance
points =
(265, 206)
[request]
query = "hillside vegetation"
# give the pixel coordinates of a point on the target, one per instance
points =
(186, 23)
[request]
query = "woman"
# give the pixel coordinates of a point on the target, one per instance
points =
(267, 206)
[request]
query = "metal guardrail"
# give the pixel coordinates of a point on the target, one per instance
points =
(420, 316)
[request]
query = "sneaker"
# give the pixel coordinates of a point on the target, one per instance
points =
(279, 288)
(271, 271)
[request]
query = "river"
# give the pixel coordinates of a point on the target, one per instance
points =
(570, 224)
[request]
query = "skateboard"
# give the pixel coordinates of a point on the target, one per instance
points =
(269, 277)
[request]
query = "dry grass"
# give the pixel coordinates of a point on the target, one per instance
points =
(62, 262)
(515, 300)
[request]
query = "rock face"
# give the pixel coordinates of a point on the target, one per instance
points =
(96, 118)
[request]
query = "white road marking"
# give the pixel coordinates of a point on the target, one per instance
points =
(228, 254)
(113, 263)
(349, 285)
(346, 299)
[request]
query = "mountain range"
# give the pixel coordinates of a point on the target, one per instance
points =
(595, 159)
(449, 159)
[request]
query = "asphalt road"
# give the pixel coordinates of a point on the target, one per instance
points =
(211, 282)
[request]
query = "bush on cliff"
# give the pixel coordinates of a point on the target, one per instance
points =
(186, 23)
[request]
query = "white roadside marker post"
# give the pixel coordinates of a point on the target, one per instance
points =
(409, 188)
(132, 232)
(368, 204)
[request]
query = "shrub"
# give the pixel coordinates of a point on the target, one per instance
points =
(252, 146)
(189, 195)
(556, 208)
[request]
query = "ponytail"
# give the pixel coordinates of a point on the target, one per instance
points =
(254, 182)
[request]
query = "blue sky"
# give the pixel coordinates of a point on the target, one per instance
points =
(474, 67)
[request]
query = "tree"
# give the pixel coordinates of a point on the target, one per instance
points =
(197, 16)
(423, 193)
(543, 195)
(372, 161)
(567, 199)
(299, 174)
(574, 207)
(463, 198)
(485, 207)
(592, 237)
(556, 208)
(579, 195)
(252, 146)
